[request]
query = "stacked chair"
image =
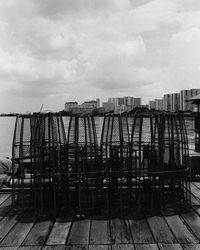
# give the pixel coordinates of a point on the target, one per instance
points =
(140, 166)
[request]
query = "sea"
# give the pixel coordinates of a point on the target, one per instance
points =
(7, 129)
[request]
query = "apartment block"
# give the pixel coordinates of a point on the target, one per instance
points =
(108, 106)
(152, 104)
(167, 102)
(175, 102)
(159, 104)
(70, 105)
(185, 95)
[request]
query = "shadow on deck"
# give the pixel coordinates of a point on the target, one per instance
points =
(168, 230)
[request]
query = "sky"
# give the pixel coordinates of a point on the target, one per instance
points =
(53, 51)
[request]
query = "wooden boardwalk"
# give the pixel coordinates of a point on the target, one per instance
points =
(164, 232)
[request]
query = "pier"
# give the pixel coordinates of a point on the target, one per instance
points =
(133, 191)
(168, 230)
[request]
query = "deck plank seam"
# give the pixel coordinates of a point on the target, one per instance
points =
(48, 234)
(170, 229)
(131, 233)
(189, 228)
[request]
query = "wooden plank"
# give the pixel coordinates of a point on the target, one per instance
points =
(120, 232)
(194, 200)
(63, 247)
(180, 230)
(8, 248)
(193, 221)
(38, 233)
(100, 232)
(141, 231)
(4, 197)
(5, 207)
(191, 246)
(146, 247)
(195, 191)
(6, 224)
(59, 232)
(19, 232)
(170, 246)
(197, 184)
(123, 247)
(100, 247)
(56, 248)
(79, 233)
(160, 230)
(29, 247)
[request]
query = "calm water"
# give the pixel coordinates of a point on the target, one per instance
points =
(7, 128)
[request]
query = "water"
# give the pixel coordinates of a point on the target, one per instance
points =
(7, 129)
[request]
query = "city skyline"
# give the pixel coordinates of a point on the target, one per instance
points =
(141, 48)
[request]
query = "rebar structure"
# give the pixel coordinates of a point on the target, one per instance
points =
(83, 165)
(141, 165)
(160, 160)
(51, 170)
(114, 154)
(38, 146)
(173, 184)
(22, 160)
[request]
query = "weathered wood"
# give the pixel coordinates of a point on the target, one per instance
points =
(191, 246)
(120, 232)
(170, 246)
(5, 207)
(194, 200)
(6, 224)
(193, 220)
(4, 197)
(30, 247)
(141, 232)
(8, 248)
(160, 230)
(19, 232)
(56, 248)
(38, 234)
(123, 247)
(180, 230)
(79, 233)
(197, 184)
(195, 190)
(59, 232)
(146, 247)
(100, 232)
(100, 247)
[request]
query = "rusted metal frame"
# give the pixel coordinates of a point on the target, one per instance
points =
(13, 161)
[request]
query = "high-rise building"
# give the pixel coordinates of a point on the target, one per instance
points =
(137, 101)
(185, 95)
(175, 102)
(167, 102)
(70, 105)
(152, 104)
(98, 102)
(159, 104)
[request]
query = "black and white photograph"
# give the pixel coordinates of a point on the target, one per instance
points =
(100, 124)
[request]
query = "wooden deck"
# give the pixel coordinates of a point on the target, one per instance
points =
(165, 231)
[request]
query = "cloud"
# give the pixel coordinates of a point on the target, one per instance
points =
(77, 49)
(184, 69)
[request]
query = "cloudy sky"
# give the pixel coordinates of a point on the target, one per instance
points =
(52, 51)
